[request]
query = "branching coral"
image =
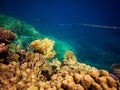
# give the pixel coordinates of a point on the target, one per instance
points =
(44, 47)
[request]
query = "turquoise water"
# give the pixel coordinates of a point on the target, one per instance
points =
(74, 22)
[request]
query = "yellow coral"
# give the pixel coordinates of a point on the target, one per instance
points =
(70, 61)
(44, 47)
(70, 55)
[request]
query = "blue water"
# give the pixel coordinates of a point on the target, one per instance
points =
(64, 19)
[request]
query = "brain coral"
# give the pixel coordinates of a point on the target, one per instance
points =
(44, 47)
(6, 36)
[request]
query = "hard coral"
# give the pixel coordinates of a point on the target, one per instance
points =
(116, 70)
(44, 47)
(6, 36)
(69, 55)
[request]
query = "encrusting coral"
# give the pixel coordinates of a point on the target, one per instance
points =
(29, 70)
(44, 47)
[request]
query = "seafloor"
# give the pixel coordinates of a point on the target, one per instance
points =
(30, 61)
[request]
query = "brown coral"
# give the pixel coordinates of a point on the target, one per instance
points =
(116, 70)
(3, 48)
(6, 36)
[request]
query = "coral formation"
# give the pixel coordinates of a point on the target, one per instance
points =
(3, 48)
(70, 63)
(6, 36)
(44, 47)
(116, 70)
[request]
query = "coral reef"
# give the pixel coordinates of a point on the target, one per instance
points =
(44, 47)
(26, 33)
(26, 69)
(32, 72)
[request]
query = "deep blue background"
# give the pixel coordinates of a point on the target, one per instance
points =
(96, 46)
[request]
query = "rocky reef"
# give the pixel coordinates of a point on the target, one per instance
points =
(30, 69)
